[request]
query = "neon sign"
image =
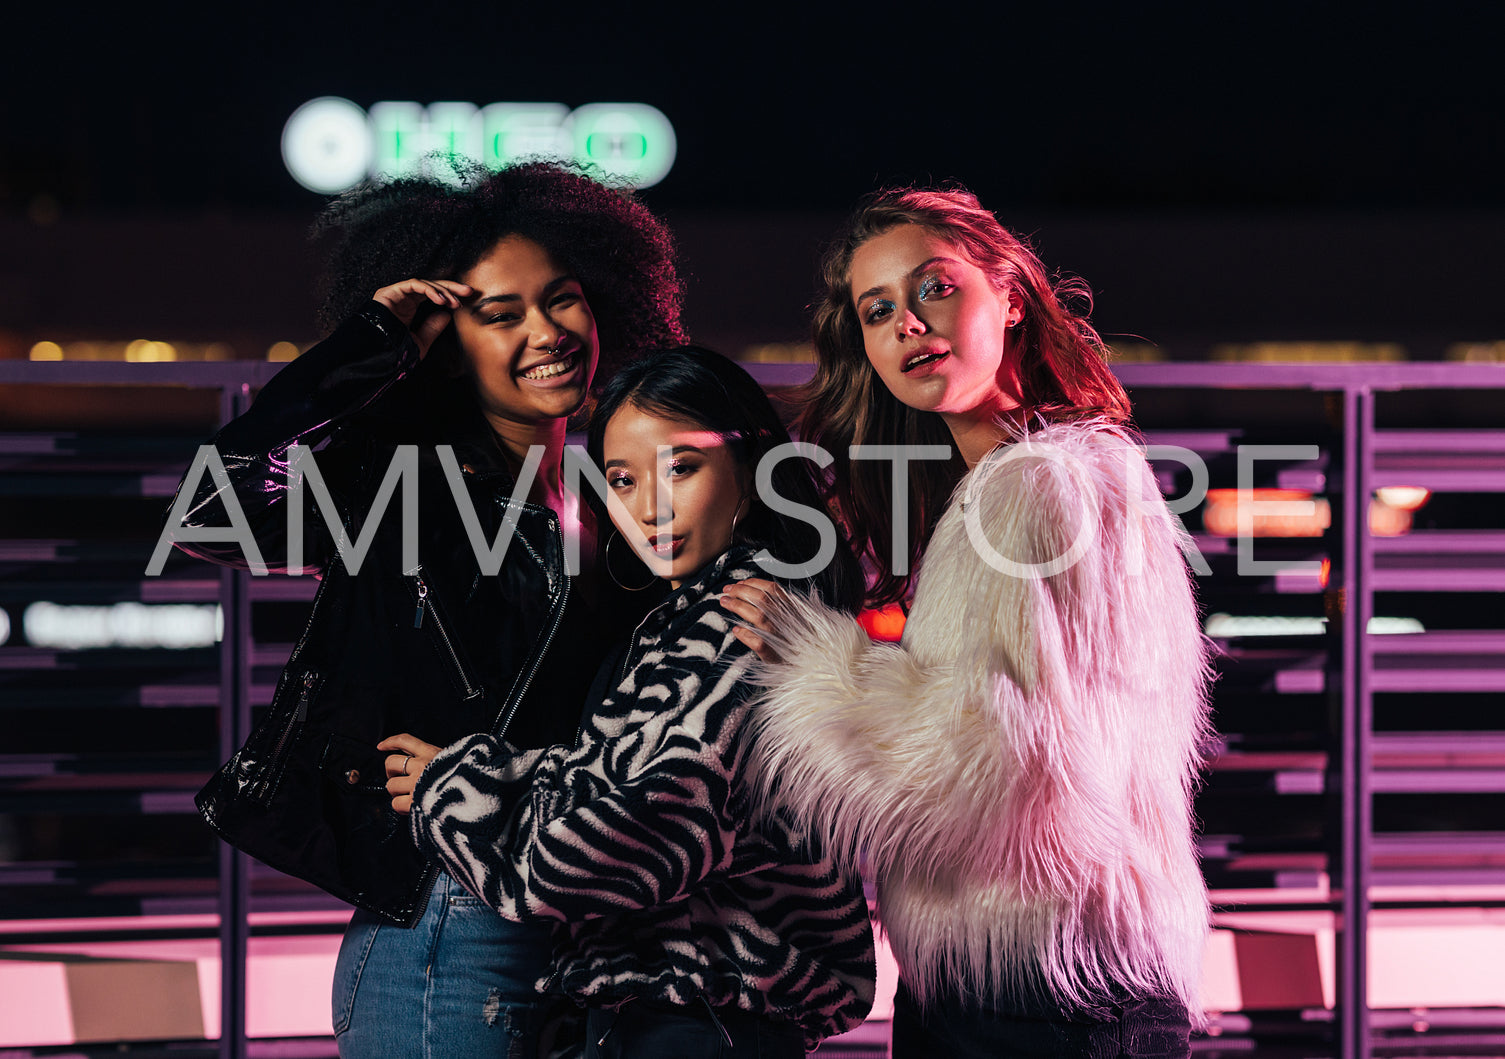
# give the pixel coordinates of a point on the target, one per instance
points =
(330, 144)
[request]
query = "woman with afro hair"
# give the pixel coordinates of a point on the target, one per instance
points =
(468, 318)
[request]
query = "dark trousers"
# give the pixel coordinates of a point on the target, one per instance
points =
(653, 1030)
(950, 1027)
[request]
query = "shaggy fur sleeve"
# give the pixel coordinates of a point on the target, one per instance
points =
(1050, 686)
(856, 742)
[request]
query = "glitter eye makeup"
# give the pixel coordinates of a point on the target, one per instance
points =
(879, 309)
(930, 285)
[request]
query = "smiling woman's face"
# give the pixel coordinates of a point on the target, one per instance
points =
(527, 333)
(933, 324)
(674, 490)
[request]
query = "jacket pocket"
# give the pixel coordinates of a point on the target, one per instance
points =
(257, 768)
(354, 767)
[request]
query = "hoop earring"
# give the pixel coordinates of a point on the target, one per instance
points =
(736, 515)
(606, 559)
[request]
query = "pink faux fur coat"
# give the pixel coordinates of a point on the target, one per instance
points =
(1017, 775)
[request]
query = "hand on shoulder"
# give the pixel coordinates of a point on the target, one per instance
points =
(752, 601)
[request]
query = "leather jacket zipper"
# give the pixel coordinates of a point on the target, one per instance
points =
(420, 587)
(423, 597)
(504, 719)
(262, 787)
(424, 607)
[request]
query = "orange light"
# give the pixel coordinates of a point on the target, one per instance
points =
(885, 624)
(145, 351)
(1221, 515)
(1388, 521)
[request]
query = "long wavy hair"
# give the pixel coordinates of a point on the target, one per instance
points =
(1063, 373)
(718, 395)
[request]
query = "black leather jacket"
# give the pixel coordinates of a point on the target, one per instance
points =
(441, 651)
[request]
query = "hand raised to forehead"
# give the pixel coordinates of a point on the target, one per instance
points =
(407, 299)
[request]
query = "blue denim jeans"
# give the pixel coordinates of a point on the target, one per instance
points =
(958, 1028)
(460, 983)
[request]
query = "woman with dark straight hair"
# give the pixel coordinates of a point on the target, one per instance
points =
(681, 925)
(695, 385)
(1017, 773)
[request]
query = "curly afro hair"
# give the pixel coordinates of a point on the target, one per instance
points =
(437, 228)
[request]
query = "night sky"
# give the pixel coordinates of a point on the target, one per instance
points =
(1054, 107)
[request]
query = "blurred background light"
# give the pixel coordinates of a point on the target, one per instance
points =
(1235, 626)
(1310, 352)
(1229, 626)
(884, 623)
(1476, 352)
(139, 625)
(330, 144)
(524, 130)
(1403, 497)
(1220, 515)
(143, 351)
(629, 141)
(326, 145)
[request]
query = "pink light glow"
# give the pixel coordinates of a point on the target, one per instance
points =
(1418, 958)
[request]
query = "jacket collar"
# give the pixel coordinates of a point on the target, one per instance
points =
(699, 583)
(692, 591)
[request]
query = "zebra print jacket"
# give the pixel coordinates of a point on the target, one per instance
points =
(639, 841)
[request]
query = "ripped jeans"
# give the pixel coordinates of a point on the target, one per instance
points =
(460, 983)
